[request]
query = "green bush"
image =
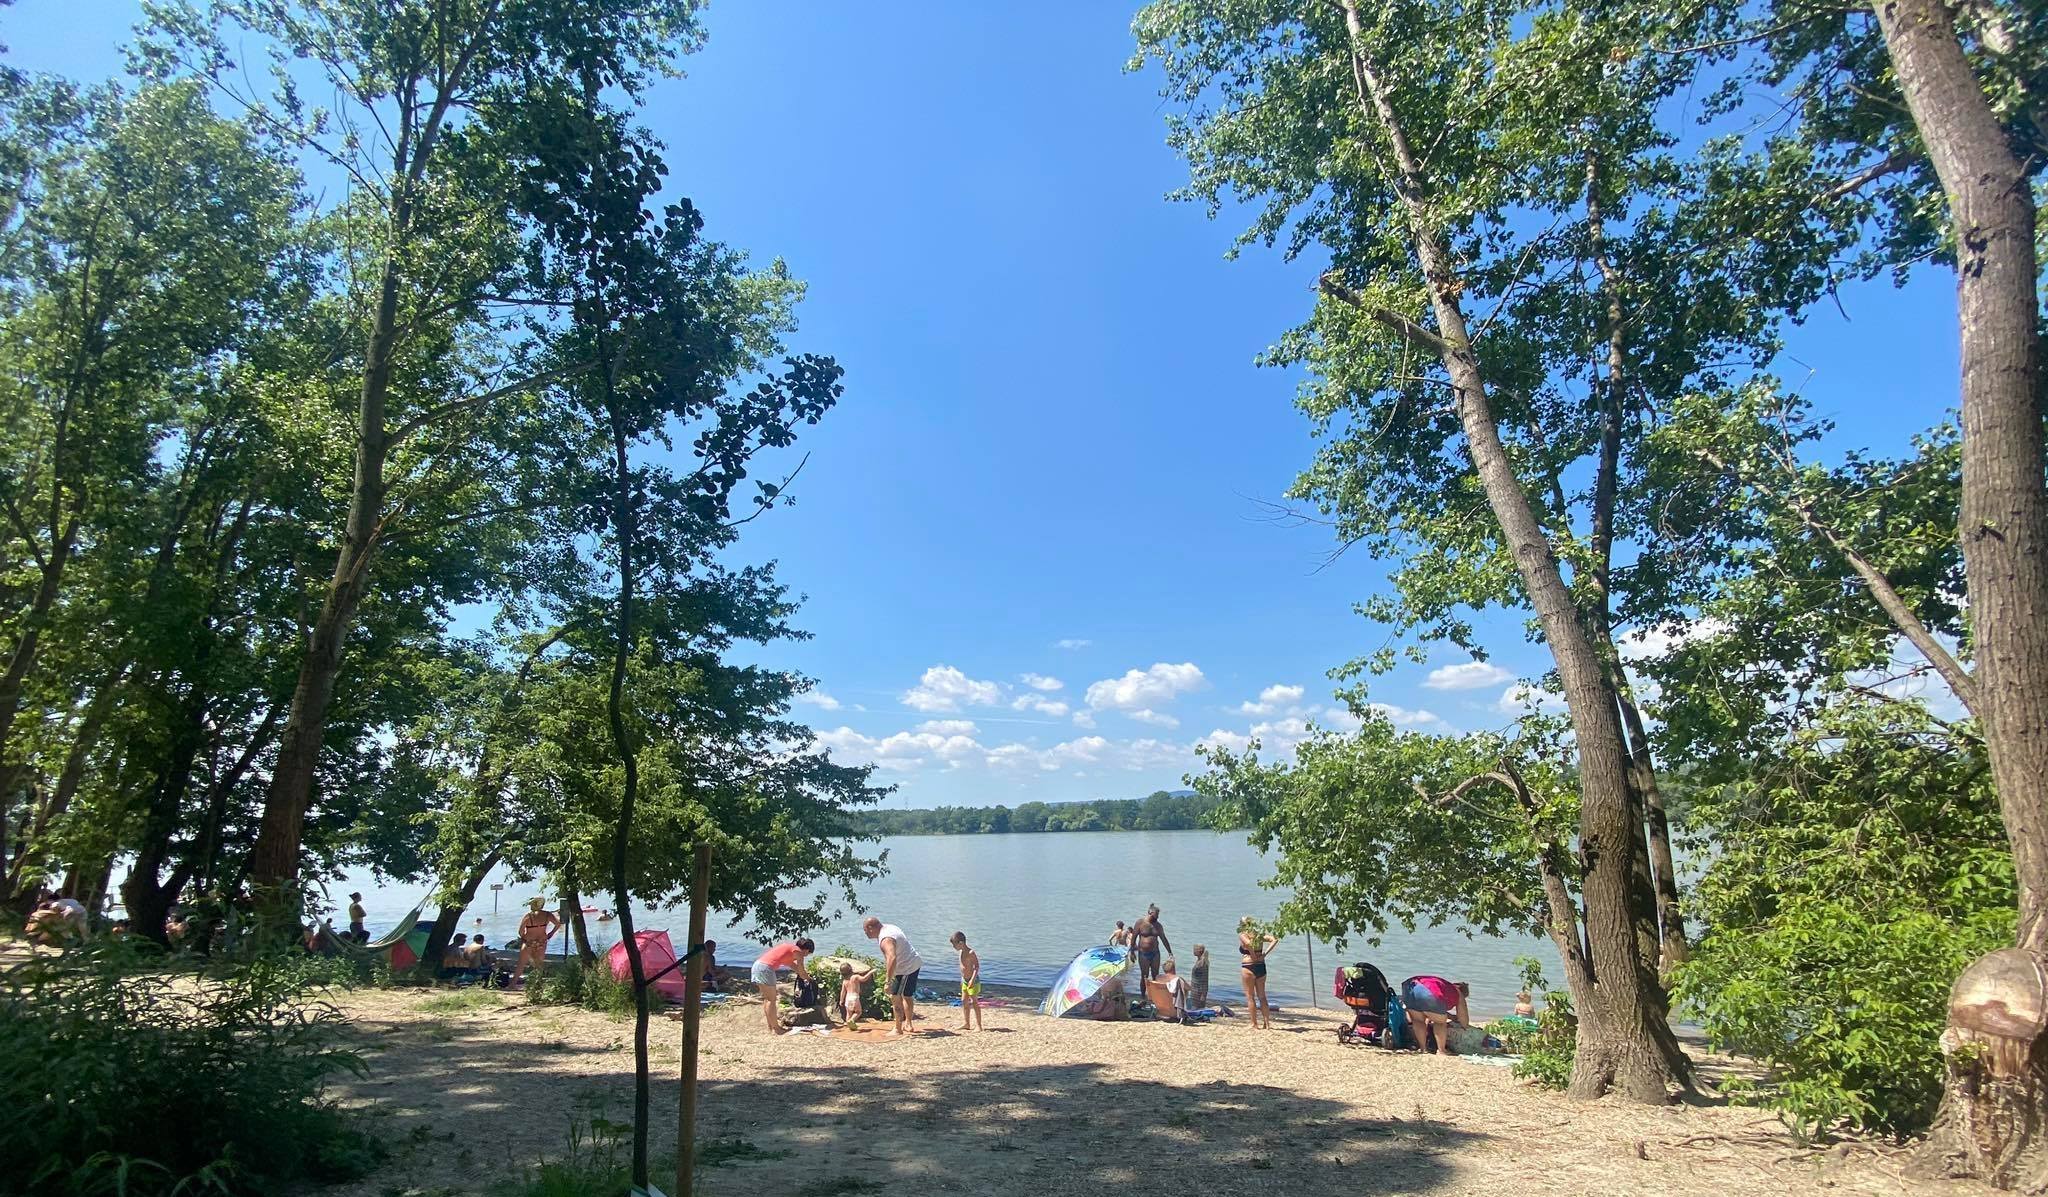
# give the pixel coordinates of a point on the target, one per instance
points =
(1857, 873)
(1547, 1052)
(571, 983)
(874, 996)
(125, 1078)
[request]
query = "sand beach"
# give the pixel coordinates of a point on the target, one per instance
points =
(472, 1088)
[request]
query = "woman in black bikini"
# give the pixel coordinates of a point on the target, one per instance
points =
(1252, 946)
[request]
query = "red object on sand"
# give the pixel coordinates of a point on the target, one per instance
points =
(656, 953)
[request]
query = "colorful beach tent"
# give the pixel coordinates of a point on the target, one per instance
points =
(402, 943)
(656, 954)
(1092, 986)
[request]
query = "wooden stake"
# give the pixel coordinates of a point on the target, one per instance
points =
(1313, 1000)
(693, 998)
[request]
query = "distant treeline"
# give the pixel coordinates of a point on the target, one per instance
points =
(1160, 811)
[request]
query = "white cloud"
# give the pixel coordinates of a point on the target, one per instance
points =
(1084, 719)
(1273, 699)
(1141, 688)
(1403, 717)
(1472, 675)
(944, 688)
(817, 698)
(1072, 644)
(904, 750)
(1038, 681)
(1040, 704)
(1155, 718)
(949, 727)
(1518, 698)
(1650, 643)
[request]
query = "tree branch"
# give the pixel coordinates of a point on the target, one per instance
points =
(1400, 325)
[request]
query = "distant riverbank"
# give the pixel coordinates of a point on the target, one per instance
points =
(1182, 810)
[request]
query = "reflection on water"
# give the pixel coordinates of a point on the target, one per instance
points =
(1029, 903)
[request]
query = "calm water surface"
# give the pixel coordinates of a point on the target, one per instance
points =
(1029, 903)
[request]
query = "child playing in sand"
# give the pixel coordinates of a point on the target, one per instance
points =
(849, 996)
(970, 983)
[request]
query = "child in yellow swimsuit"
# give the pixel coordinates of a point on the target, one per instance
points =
(970, 983)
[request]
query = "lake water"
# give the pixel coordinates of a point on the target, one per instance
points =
(1030, 903)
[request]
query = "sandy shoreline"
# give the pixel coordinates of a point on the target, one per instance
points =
(475, 1090)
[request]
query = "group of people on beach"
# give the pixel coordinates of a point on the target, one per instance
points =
(901, 966)
(1146, 938)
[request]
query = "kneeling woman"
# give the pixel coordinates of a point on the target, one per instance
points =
(790, 955)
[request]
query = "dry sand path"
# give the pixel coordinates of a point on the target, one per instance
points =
(1041, 1106)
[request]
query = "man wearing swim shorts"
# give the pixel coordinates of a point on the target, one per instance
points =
(1149, 934)
(901, 963)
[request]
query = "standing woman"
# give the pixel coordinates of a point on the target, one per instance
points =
(1252, 946)
(790, 955)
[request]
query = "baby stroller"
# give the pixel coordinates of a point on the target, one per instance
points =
(1364, 988)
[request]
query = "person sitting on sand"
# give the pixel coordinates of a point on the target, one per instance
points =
(1179, 992)
(1198, 980)
(790, 955)
(851, 983)
(1525, 1006)
(1252, 946)
(52, 926)
(970, 983)
(902, 964)
(535, 929)
(1435, 1005)
(454, 958)
(712, 979)
(1148, 935)
(477, 957)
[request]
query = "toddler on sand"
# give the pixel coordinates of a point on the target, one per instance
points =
(849, 996)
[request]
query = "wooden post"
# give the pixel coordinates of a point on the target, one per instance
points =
(1313, 1000)
(693, 998)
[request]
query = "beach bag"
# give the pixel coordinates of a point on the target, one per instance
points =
(1397, 1022)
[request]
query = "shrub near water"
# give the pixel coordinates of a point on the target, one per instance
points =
(1857, 875)
(141, 1082)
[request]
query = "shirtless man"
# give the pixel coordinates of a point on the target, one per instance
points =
(535, 930)
(1148, 935)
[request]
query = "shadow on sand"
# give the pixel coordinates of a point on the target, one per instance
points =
(1023, 1127)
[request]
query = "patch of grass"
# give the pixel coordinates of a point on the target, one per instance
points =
(720, 1152)
(459, 1001)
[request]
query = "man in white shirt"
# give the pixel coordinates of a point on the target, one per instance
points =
(901, 963)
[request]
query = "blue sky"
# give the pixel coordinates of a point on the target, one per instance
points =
(1047, 464)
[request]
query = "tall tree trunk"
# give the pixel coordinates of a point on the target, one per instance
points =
(624, 518)
(15, 678)
(143, 896)
(579, 928)
(274, 860)
(443, 927)
(1621, 1044)
(1993, 1115)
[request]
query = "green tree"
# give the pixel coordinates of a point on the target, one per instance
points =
(438, 109)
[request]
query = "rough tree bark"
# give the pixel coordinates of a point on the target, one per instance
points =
(1991, 1123)
(450, 915)
(1622, 1046)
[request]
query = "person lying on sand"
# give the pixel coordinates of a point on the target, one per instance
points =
(790, 955)
(970, 983)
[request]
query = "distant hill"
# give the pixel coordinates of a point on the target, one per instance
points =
(1162, 810)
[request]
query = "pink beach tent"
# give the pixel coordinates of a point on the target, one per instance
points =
(656, 954)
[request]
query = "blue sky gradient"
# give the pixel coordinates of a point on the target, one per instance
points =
(1054, 440)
